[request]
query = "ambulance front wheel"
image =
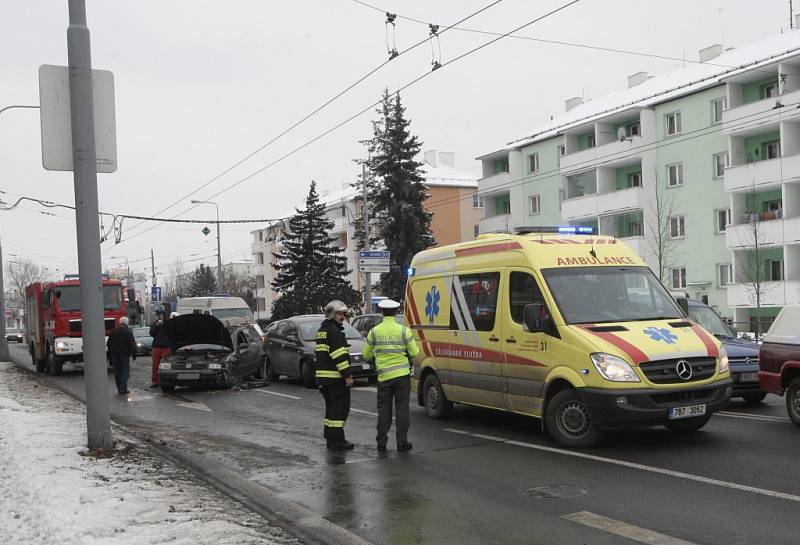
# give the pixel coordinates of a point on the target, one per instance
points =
(568, 421)
(436, 403)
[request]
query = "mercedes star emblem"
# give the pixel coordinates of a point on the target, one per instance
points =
(189, 366)
(684, 369)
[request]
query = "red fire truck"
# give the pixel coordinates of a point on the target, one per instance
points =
(53, 320)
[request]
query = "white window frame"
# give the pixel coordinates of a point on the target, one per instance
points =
(681, 278)
(768, 145)
(678, 176)
(765, 93)
(534, 204)
(727, 268)
(676, 117)
(635, 179)
(592, 141)
(562, 150)
(715, 164)
(478, 201)
(260, 258)
(724, 102)
(680, 224)
(634, 129)
(533, 162)
(717, 226)
(771, 263)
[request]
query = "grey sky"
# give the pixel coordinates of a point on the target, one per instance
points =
(201, 84)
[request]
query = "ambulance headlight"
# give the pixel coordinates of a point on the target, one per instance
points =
(613, 368)
(724, 366)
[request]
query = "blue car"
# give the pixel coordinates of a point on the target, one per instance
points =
(742, 353)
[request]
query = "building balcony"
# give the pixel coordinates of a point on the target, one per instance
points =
(637, 244)
(603, 204)
(762, 174)
(494, 184)
(772, 294)
(755, 115)
(774, 232)
(496, 224)
(611, 154)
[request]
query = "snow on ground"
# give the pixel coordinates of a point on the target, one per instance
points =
(52, 491)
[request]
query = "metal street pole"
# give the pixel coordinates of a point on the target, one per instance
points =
(365, 216)
(87, 223)
(220, 286)
(4, 355)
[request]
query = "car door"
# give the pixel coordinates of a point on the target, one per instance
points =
(293, 349)
(277, 349)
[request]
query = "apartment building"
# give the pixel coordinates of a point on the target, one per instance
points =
(452, 198)
(704, 155)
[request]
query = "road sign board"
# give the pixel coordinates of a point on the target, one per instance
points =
(206, 231)
(155, 294)
(374, 261)
(56, 121)
(373, 268)
(370, 254)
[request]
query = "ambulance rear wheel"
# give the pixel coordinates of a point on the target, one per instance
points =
(568, 421)
(436, 403)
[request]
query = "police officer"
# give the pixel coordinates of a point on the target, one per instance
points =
(392, 345)
(333, 373)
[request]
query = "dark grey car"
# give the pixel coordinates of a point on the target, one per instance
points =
(290, 349)
(365, 322)
(207, 352)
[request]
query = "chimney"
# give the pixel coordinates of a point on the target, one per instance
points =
(710, 52)
(637, 79)
(572, 102)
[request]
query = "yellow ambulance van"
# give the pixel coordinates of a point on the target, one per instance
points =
(567, 327)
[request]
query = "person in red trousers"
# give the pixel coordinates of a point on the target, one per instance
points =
(161, 345)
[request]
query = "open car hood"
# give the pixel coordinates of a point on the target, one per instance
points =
(189, 329)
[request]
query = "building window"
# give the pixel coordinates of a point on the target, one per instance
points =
(562, 150)
(636, 229)
(476, 230)
(500, 165)
(534, 204)
(678, 278)
(775, 270)
(673, 123)
(635, 179)
(261, 236)
(259, 281)
(634, 129)
(771, 150)
(722, 218)
(477, 200)
(770, 90)
(724, 274)
(718, 105)
(677, 227)
(591, 142)
(260, 258)
(560, 197)
(533, 162)
(720, 163)
(675, 174)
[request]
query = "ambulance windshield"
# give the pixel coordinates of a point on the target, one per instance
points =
(594, 295)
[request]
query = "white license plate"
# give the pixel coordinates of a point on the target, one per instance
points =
(687, 412)
(188, 376)
(365, 366)
(748, 377)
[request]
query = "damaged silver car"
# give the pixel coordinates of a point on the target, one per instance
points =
(208, 352)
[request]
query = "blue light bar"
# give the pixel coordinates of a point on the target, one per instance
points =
(410, 272)
(562, 230)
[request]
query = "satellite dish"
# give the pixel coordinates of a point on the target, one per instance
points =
(621, 134)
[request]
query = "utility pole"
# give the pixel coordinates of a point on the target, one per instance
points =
(4, 355)
(87, 223)
(365, 217)
(791, 15)
(220, 287)
(153, 265)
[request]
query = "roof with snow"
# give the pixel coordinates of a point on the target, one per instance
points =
(690, 79)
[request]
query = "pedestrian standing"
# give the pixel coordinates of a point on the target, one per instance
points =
(393, 347)
(121, 347)
(162, 346)
(333, 374)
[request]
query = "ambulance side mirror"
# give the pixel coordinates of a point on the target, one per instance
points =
(536, 318)
(683, 302)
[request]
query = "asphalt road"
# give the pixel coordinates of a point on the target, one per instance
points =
(487, 477)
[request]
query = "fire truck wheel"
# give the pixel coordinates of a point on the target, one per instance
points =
(54, 364)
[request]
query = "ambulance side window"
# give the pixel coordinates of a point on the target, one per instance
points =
(523, 290)
(479, 303)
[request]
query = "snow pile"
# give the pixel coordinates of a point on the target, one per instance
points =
(53, 492)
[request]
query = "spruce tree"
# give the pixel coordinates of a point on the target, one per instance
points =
(398, 193)
(311, 268)
(203, 282)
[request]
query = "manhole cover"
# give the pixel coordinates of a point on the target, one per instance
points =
(556, 492)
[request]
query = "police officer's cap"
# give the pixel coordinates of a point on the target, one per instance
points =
(388, 304)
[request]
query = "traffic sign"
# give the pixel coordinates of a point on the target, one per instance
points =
(374, 261)
(206, 231)
(155, 294)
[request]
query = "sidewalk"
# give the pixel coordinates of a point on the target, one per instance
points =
(52, 492)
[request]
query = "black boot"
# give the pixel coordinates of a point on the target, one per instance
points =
(336, 440)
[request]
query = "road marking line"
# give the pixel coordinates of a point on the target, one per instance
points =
(370, 389)
(623, 529)
(193, 405)
(363, 412)
(641, 467)
(276, 394)
(752, 416)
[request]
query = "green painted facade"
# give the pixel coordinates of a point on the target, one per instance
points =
(752, 92)
(585, 141)
(546, 183)
(754, 145)
(623, 175)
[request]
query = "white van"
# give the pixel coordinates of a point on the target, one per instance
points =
(219, 307)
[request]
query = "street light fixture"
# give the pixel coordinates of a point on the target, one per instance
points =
(127, 265)
(220, 287)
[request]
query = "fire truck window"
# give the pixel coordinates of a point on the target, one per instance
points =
(479, 305)
(523, 290)
(112, 297)
(69, 299)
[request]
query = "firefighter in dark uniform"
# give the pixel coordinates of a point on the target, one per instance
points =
(333, 373)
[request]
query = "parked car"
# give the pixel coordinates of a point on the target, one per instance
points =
(780, 360)
(15, 334)
(144, 342)
(742, 352)
(209, 352)
(365, 322)
(291, 344)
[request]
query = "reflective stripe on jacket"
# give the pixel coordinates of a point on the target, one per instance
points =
(392, 345)
(333, 353)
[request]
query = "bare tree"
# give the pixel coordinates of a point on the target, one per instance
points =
(21, 274)
(173, 284)
(242, 285)
(753, 262)
(658, 235)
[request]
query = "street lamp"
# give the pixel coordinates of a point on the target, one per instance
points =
(127, 266)
(219, 252)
